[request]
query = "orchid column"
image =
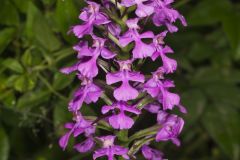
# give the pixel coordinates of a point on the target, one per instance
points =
(113, 44)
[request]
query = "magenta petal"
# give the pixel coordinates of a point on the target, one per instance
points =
(128, 3)
(89, 68)
(105, 53)
(106, 109)
(81, 30)
(84, 16)
(144, 10)
(169, 100)
(69, 125)
(85, 146)
(142, 50)
(136, 77)
(64, 140)
(100, 152)
(78, 131)
(68, 70)
(125, 40)
(152, 108)
(93, 94)
(125, 92)
(118, 150)
(170, 65)
(148, 34)
(152, 88)
(113, 78)
(176, 141)
(151, 154)
(121, 121)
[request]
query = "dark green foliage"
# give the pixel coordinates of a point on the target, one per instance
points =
(34, 45)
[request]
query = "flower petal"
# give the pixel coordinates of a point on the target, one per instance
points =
(125, 92)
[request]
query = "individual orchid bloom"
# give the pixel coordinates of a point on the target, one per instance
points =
(141, 49)
(142, 9)
(165, 15)
(159, 89)
(170, 65)
(119, 120)
(125, 92)
(88, 93)
(88, 66)
(151, 154)
(109, 149)
(91, 16)
(80, 126)
(172, 126)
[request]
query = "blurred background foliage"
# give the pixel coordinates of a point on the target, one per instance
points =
(33, 94)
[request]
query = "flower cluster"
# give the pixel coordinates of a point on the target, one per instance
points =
(114, 45)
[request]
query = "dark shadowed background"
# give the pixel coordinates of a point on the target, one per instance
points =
(34, 95)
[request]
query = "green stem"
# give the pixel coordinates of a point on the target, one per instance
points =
(143, 133)
(138, 144)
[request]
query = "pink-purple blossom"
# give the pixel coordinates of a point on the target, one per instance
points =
(141, 49)
(80, 126)
(119, 45)
(119, 119)
(172, 126)
(125, 92)
(91, 16)
(109, 149)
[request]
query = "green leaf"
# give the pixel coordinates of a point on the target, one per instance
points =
(208, 12)
(195, 102)
(201, 51)
(27, 58)
(38, 29)
(4, 143)
(21, 5)
(222, 123)
(61, 81)
(8, 14)
(6, 36)
(13, 64)
(61, 115)
(24, 83)
(65, 15)
(33, 99)
(231, 26)
(217, 93)
(8, 98)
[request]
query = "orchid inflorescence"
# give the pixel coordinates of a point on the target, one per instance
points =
(113, 41)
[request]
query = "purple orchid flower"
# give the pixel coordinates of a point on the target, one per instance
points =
(88, 67)
(88, 93)
(169, 65)
(119, 120)
(109, 149)
(165, 15)
(142, 9)
(81, 126)
(172, 126)
(151, 154)
(125, 92)
(159, 89)
(91, 16)
(141, 49)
